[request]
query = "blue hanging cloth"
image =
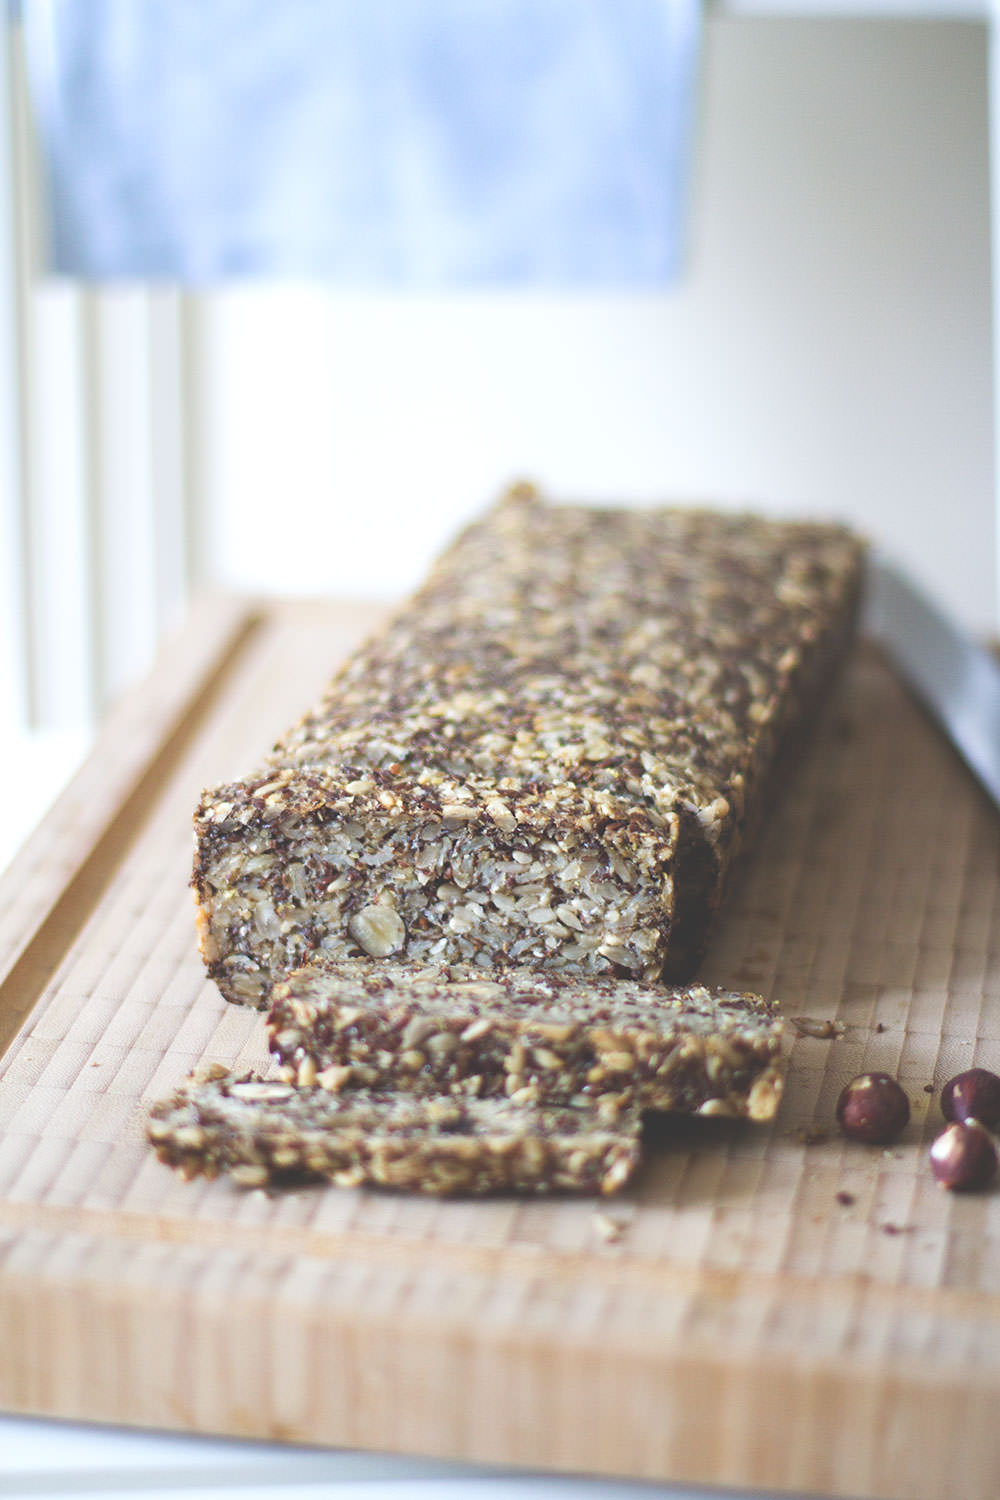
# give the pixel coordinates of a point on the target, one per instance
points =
(419, 144)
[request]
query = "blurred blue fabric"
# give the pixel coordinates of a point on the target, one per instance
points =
(386, 143)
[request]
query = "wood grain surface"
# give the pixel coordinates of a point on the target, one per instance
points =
(769, 1307)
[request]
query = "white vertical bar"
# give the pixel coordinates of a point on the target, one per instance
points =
(62, 689)
(63, 676)
(93, 470)
(122, 522)
(24, 241)
(168, 459)
(136, 395)
(197, 486)
(13, 601)
(55, 581)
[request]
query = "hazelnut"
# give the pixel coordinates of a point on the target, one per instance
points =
(963, 1157)
(873, 1108)
(974, 1095)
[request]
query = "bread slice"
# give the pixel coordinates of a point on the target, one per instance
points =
(537, 1037)
(260, 1132)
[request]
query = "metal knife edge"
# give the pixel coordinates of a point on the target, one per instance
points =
(955, 676)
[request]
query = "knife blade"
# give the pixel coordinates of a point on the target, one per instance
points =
(954, 676)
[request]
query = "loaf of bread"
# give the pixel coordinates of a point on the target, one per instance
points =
(547, 759)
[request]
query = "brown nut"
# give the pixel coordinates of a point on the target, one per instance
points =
(964, 1157)
(873, 1108)
(974, 1095)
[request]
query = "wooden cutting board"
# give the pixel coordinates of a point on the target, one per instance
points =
(767, 1307)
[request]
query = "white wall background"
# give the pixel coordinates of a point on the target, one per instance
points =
(828, 351)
